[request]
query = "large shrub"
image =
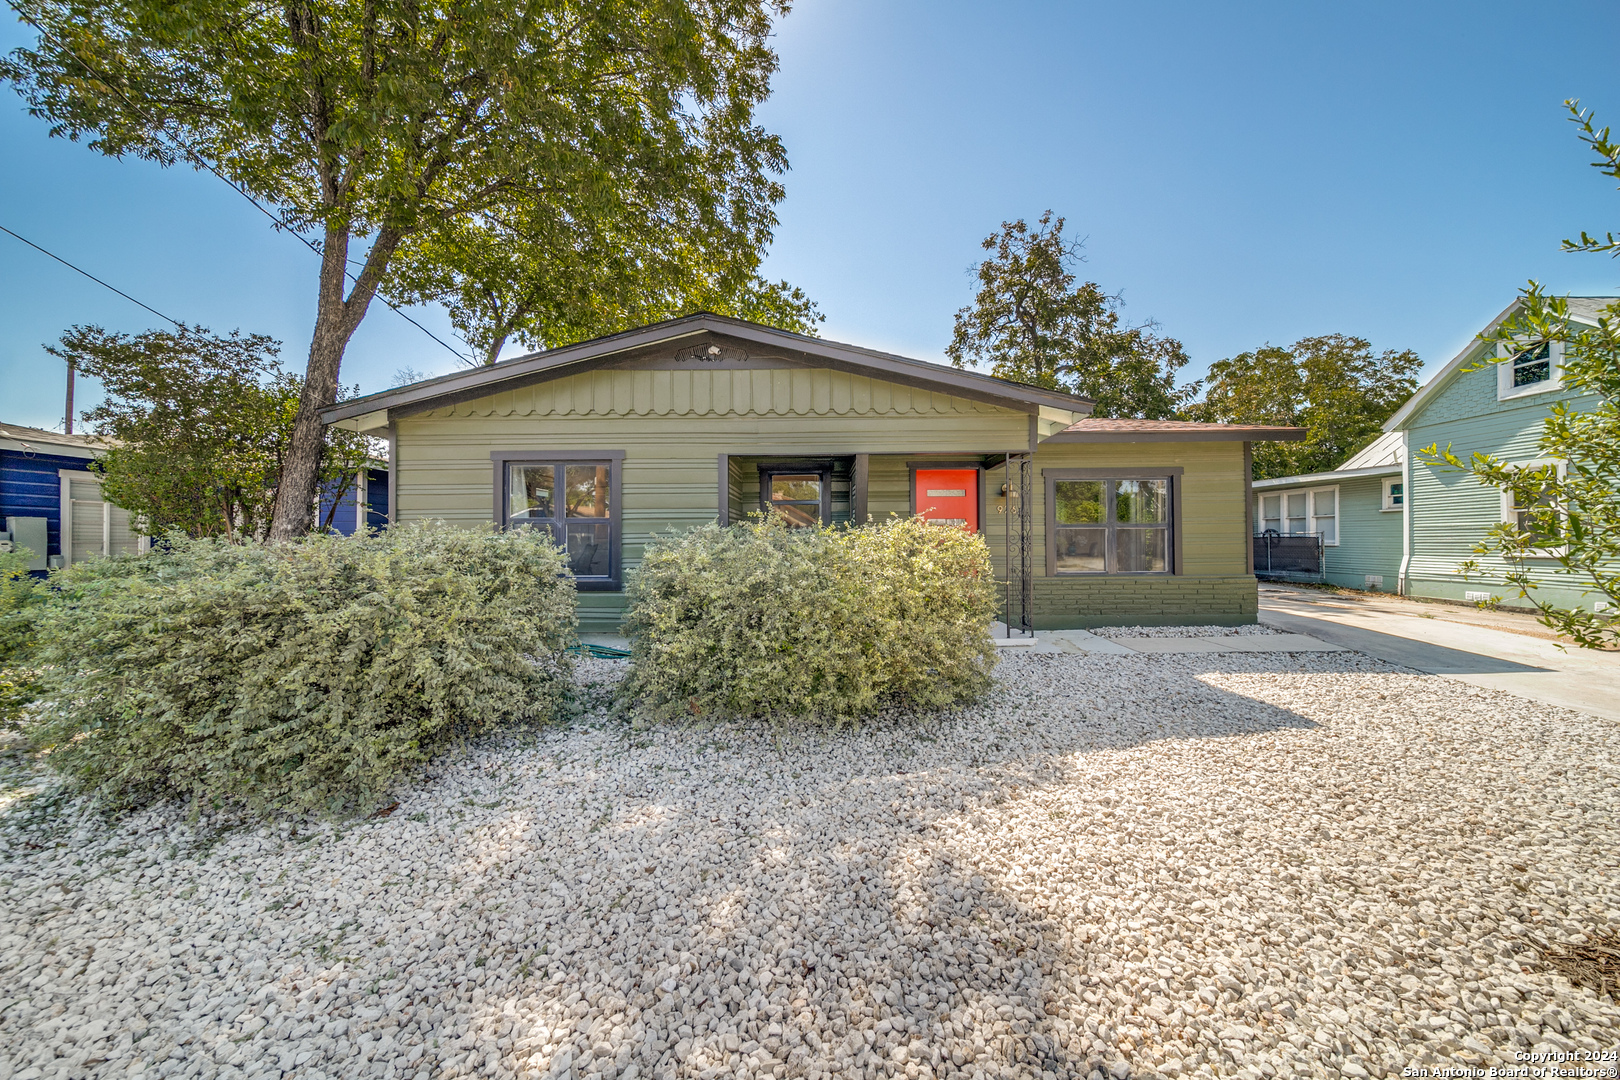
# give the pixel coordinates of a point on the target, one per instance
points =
(20, 596)
(307, 675)
(762, 620)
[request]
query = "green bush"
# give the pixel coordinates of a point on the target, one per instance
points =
(303, 676)
(20, 596)
(828, 625)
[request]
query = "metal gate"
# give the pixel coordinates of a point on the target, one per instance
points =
(1288, 558)
(1018, 580)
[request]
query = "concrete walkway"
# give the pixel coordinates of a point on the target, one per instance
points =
(1476, 653)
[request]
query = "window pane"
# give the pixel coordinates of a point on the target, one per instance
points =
(799, 515)
(1141, 501)
(1533, 365)
(586, 494)
(1325, 503)
(1141, 551)
(530, 489)
(796, 488)
(1297, 520)
(1082, 550)
(1078, 502)
(1397, 492)
(589, 549)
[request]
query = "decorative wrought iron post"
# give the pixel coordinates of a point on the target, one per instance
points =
(1018, 542)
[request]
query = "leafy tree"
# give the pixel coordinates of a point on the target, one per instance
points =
(1034, 322)
(387, 127)
(199, 427)
(565, 276)
(1334, 386)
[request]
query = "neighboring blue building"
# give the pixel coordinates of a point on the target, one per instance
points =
(45, 476)
(45, 479)
(368, 489)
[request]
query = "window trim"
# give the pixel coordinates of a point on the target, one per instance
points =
(1506, 391)
(1509, 511)
(1310, 510)
(1173, 474)
(1387, 505)
(500, 459)
(767, 469)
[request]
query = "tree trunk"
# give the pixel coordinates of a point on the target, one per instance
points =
(335, 321)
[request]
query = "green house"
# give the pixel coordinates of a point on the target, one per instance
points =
(1390, 520)
(609, 443)
(1356, 510)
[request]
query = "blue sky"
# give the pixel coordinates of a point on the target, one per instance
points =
(1242, 174)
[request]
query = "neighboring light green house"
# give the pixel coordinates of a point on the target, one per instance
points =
(1498, 409)
(1356, 510)
(611, 442)
(1390, 521)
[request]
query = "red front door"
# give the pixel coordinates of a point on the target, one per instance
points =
(948, 497)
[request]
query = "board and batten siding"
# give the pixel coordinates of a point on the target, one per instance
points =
(1450, 510)
(672, 427)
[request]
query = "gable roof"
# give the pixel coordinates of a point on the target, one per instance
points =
(1583, 309)
(1112, 429)
(567, 359)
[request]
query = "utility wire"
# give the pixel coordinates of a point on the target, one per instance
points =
(92, 277)
(197, 159)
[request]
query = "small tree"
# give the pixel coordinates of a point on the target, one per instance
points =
(1334, 386)
(199, 427)
(1570, 516)
(1031, 322)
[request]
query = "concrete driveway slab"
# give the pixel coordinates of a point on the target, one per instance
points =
(1531, 667)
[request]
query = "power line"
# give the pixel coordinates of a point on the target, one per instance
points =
(93, 277)
(197, 159)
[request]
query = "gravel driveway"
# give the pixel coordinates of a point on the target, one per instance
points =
(1243, 864)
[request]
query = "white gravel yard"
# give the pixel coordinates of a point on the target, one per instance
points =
(1233, 865)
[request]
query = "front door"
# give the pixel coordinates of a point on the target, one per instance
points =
(948, 497)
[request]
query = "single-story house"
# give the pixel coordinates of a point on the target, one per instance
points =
(611, 442)
(1391, 520)
(1355, 510)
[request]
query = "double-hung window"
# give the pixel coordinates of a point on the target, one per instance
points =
(1109, 526)
(1305, 512)
(576, 501)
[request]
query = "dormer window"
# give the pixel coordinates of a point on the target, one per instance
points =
(1533, 365)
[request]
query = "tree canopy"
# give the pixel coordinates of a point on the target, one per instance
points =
(1334, 386)
(392, 130)
(1035, 322)
(199, 426)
